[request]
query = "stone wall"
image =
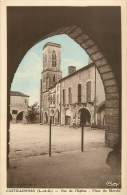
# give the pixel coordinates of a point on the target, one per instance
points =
(18, 104)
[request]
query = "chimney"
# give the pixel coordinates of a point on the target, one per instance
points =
(71, 69)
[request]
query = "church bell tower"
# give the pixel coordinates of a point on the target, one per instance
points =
(51, 73)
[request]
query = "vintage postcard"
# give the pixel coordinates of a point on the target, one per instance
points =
(63, 97)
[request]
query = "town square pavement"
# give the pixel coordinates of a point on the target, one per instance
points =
(68, 167)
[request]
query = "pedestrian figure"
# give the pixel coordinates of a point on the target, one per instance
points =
(74, 123)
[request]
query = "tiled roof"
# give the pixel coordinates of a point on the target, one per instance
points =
(17, 93)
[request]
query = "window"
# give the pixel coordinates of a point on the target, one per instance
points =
(88, 91)
(54, 78)
(51, 99)
(69, 95)
(54, 58)
(47, 82)
(54, 98)
(14, 111)
(25, 101)
(63, 96)
(79, 93)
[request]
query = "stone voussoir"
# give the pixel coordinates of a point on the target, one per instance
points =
(113, 128)
(92, 49)
(80, 39)
(111, 89)
(87, 44)
(75, 33)
(104, 68)
(113, 120)
(112, 96)
(61, 30)
(110, 82)
(70, 29)
(112, 103)
(101, 62)
(107, 75)
(97, 55)
(112, 111)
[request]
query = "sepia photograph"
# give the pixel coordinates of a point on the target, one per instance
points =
(64, 98)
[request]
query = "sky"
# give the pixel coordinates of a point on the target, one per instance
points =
(28, 74)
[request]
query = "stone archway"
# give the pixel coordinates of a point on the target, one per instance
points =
(112, 105)
(101, 47)
(68, 117)
(86, 115)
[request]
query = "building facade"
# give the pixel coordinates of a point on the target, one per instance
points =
(50, 76)
(65, 99)
(18, 106)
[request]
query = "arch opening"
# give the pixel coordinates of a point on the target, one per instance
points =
(68, 117)
(85, 116)
(20, 116)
